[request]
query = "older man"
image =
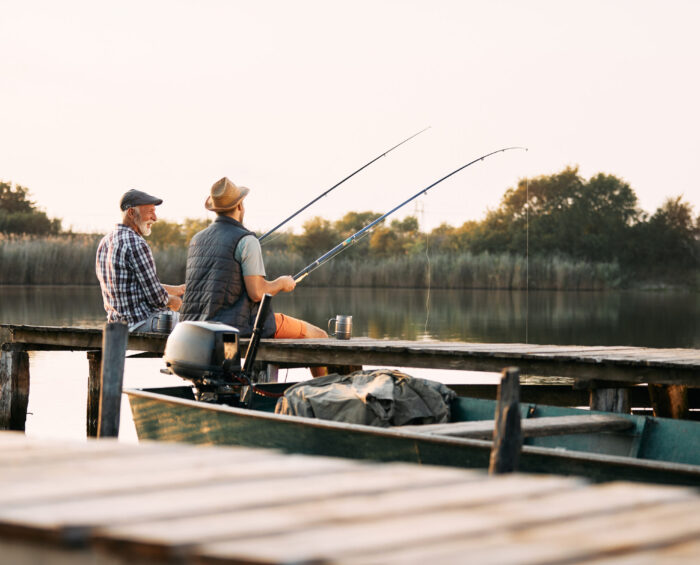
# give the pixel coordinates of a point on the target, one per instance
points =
(226, 274)
(125, 268)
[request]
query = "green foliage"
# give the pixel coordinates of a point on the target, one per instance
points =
(165, 233)
(579, 234)
(19, 215)
(15, 200)
(319, 236)
(353, 222)
(563, 214)
(192, 226)
(671, 237)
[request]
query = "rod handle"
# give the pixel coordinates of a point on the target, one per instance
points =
(263, 309)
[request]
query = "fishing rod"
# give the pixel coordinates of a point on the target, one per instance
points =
(263, 236)
(354, 237)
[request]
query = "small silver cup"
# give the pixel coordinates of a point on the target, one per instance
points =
(166, 321)
(342, 328)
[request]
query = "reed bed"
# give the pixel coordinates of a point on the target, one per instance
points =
(64, 260)
(453, 271)
(59, 260)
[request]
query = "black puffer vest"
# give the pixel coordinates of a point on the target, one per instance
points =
(214, 279)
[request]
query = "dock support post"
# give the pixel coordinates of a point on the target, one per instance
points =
(14, 387)
(669, 401)
(93, 391)
(114, 340)
(507, 434)
(610, 400)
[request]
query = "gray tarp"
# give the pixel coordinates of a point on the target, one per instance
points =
(376, 398)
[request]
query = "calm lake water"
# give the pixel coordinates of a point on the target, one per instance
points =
(650, 319)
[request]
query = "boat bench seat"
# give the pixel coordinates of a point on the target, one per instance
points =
(533, 427)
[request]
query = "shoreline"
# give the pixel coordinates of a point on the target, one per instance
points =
(642, 287)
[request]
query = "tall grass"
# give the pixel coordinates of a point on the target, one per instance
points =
(64, 260)
(464, 270)
(59, 260)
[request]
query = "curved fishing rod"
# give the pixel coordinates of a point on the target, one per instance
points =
(263, 236)
(353, 238)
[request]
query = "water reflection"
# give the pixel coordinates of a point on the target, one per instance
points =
(651, 319)
(52, 306)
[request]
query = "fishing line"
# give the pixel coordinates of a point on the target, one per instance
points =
(427, 297)
(527, 256)
(276, 237)
(420, 211)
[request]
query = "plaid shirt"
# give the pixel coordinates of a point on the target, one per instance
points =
(127, 273)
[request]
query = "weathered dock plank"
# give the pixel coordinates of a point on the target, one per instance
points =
(189, 504)
(484, 534)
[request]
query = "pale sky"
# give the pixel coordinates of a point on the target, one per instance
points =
(289, 97)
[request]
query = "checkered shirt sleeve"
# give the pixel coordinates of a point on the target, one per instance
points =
(127, 273)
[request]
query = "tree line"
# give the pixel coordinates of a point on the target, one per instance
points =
(20, 215)
(560, 215)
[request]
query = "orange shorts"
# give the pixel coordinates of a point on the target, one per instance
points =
(288, 327)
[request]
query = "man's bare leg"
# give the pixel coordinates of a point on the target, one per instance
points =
(314, 332)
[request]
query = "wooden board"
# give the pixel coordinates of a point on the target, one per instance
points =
(617, 363)
(537, 427)
(188, 504)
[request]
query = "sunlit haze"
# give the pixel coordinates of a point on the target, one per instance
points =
(288, 98)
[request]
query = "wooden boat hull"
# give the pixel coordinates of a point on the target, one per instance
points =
(163, 416)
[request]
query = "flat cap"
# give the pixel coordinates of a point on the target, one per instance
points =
(134, 197)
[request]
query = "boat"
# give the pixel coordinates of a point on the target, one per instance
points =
(224, 406)
(647, 449)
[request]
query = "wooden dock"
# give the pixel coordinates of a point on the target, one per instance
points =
(106, 502)
(599, 370)
(619, 364)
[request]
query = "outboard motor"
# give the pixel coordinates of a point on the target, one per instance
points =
(207, 353)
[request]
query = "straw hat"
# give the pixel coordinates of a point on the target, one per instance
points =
(225, 196)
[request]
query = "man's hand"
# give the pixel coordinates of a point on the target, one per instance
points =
(287, 283)
(174, 302)
(175, 290)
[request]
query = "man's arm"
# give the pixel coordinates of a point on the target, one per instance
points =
(257, 286)
(144, 268)
(249, 254)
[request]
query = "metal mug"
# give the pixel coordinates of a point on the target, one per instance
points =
(343, 327)
(166, 321)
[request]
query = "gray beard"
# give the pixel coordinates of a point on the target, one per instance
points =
(144, 228)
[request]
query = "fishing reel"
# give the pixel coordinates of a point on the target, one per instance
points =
(208, 354)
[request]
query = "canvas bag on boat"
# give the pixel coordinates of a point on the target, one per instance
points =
(375, 398)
